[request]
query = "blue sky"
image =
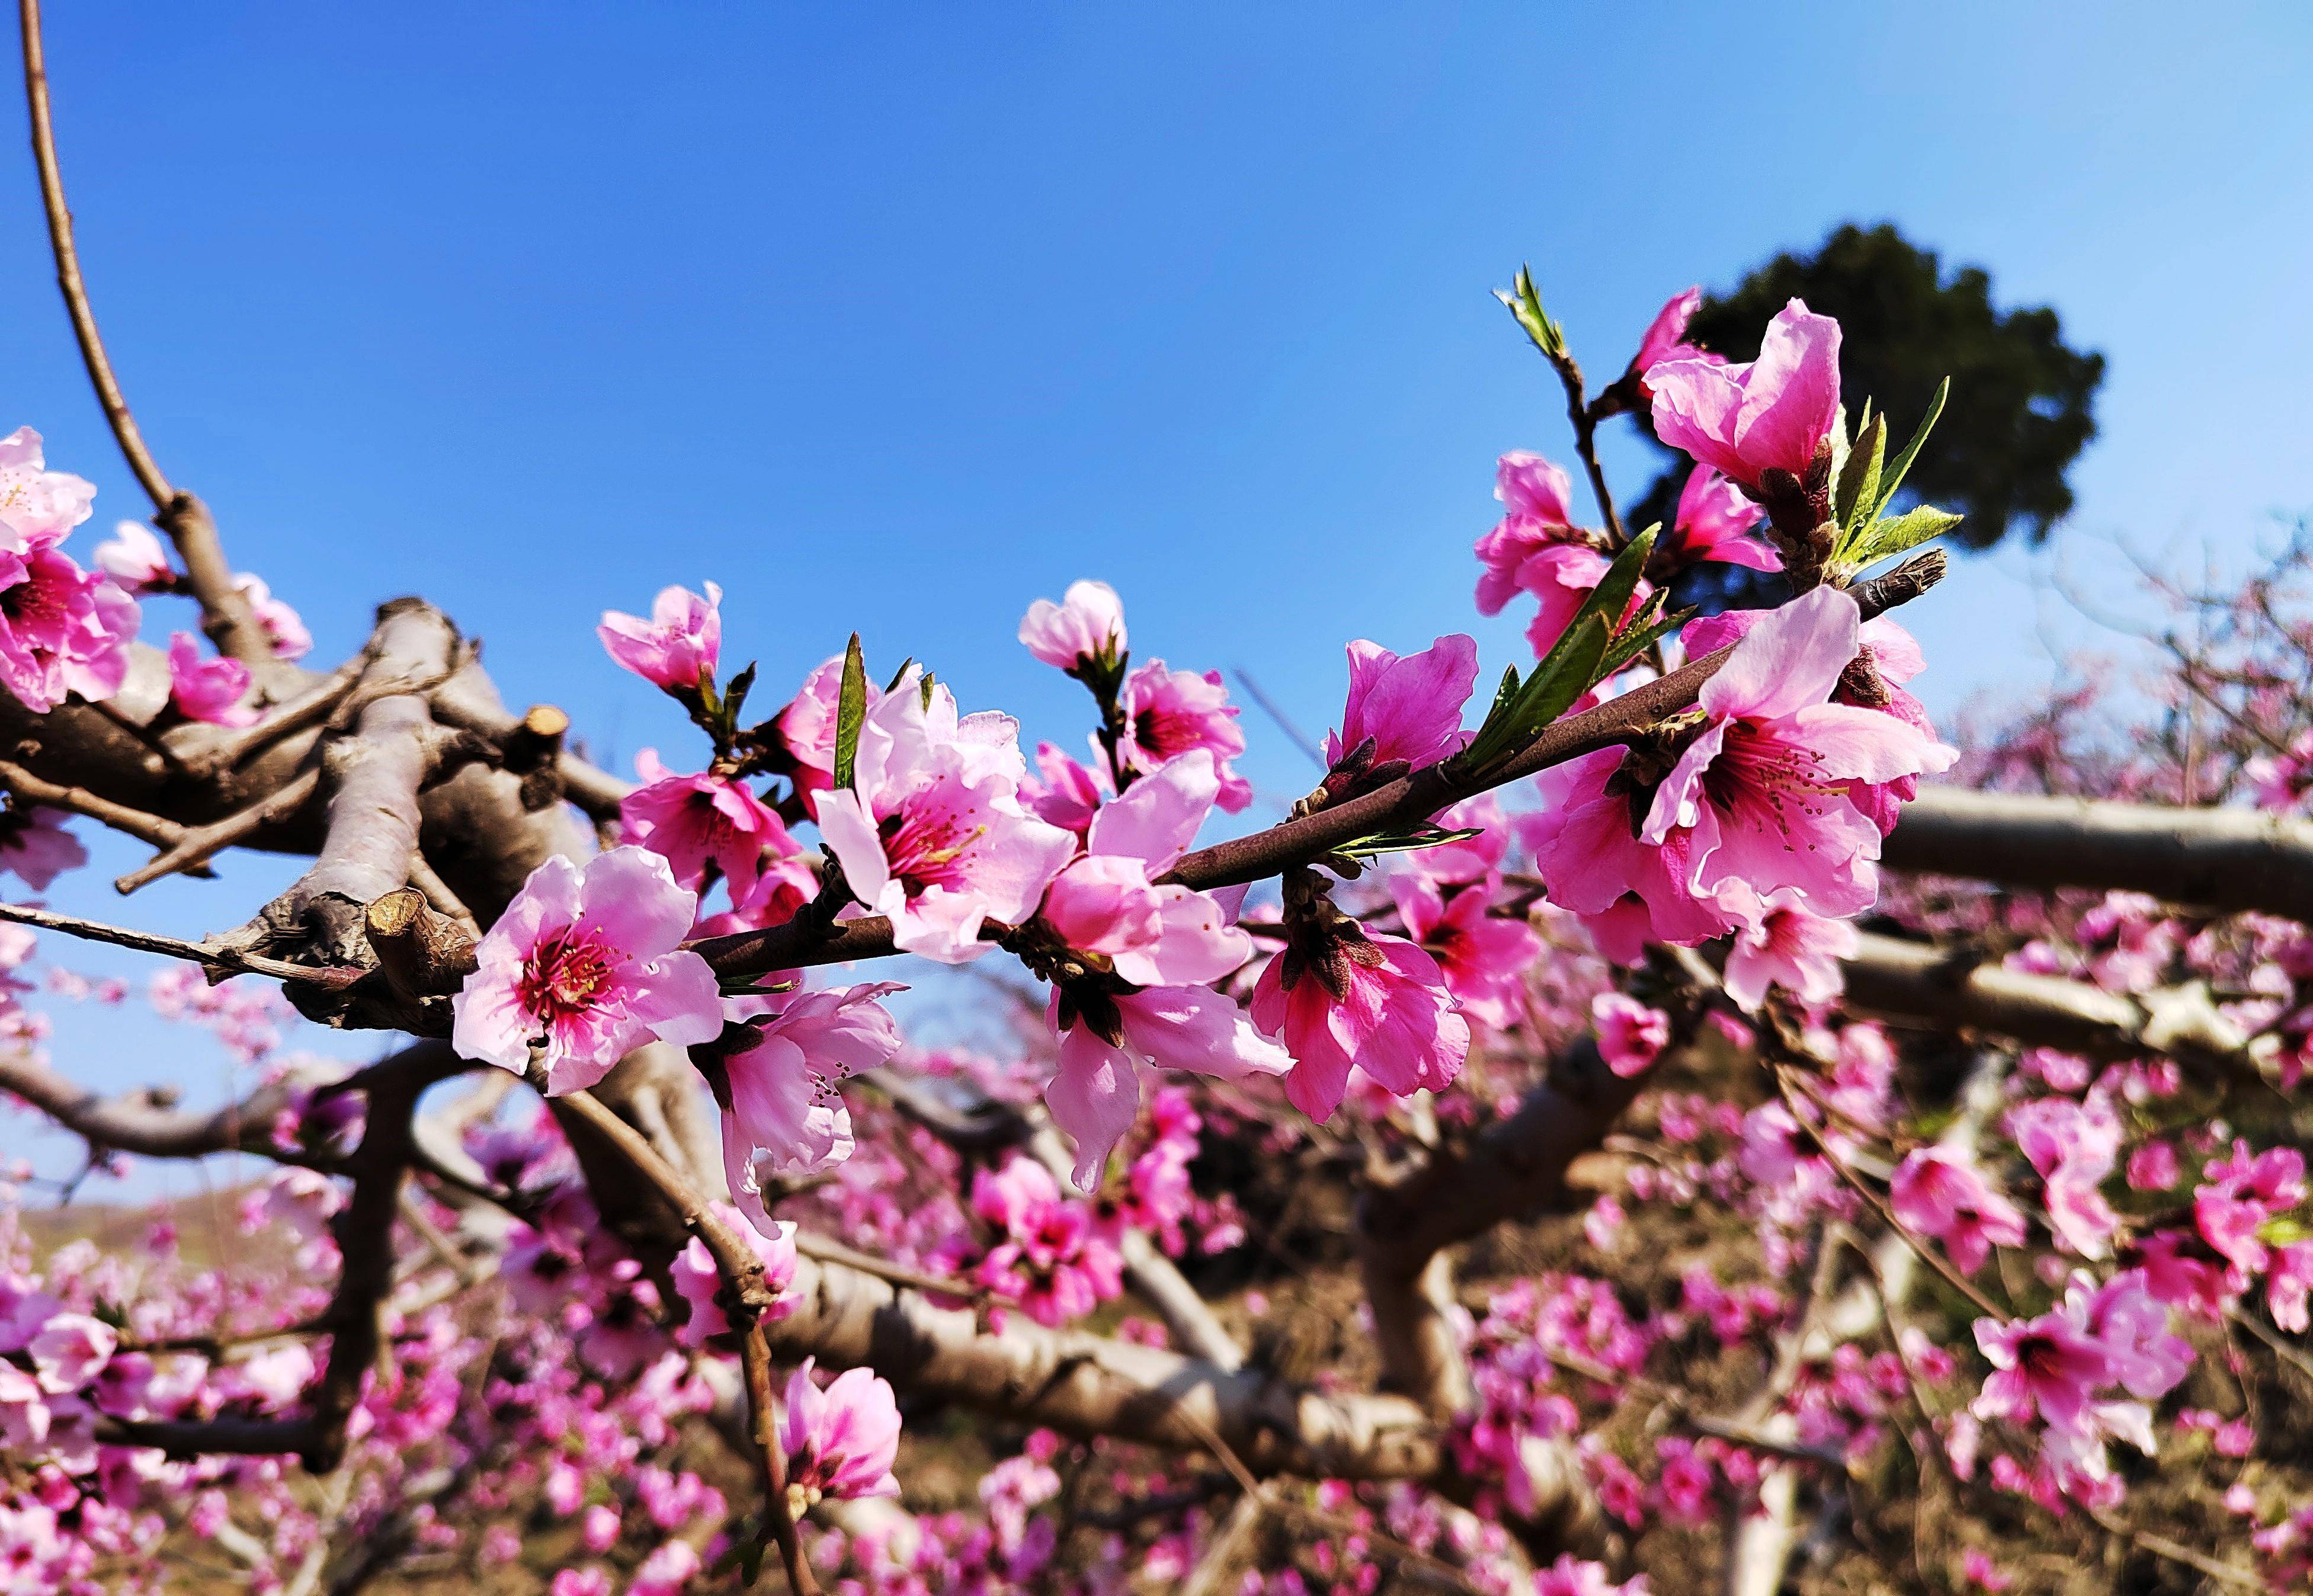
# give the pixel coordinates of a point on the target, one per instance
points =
(896, 318)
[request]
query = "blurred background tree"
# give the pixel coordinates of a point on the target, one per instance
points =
(2000, 456)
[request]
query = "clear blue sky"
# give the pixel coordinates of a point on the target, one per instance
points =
(896, 318)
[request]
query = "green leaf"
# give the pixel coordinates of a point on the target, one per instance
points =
(900, 675)
(850, 711)
(1523, 303)
(1857, 482)
(1612, 596)
(925, 688)
(1647, 628)
(1894, 535)
(1893, 477)
(1406, 842)
(735, 697)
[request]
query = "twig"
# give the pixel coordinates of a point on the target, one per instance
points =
(134, 822)
(175, 947)
(225, 611)
(197, 845)
(1293, 734)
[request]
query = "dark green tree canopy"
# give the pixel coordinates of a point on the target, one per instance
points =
(2022, 401)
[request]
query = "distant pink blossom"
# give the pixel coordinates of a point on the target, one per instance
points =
(1053, 1258)
(1782, 943)
(2047, 1367)
(1167, 712)
(1771, 413)
(281, 625)
(1574, 1576)
(38, 506)
(585, 965)
(207, 689)
(35, 844)
(1390, 1017)
(1484, 956)
(2241, 1193)
(931, 832)
(1941, 1193)
(1630, 1035)
(1410, 706)
(1086, 627)
(135, 559)
(697, 821)
(680, 641)
(2073, 1147)
(840, 1441)
(1536, 516)
(1762, 789)
(699, 1283)
(62, 631)
(786, 1116)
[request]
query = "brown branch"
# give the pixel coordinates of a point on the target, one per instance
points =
(231, 960)
(134, 822)
(143, 1122)
(225, 611)
(2215, 858)
(195, 846)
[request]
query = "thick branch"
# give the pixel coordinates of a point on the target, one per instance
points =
(2216, 858)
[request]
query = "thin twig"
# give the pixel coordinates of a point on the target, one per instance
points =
(153, 828)
(199, 844)
(1293, 734)
(175, 947)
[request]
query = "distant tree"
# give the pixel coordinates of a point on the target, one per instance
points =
(2024, 400)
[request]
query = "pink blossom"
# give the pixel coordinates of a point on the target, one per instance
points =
(38, 506)
(1389, 1015)
(2133, 1325)
(1562, 578)
(598, 1526)
(1535, 517)
(677, 646)
(2073, 1147)
(1665, 336)
(1484, 956)
(1573, 1576)
(1980, 1570)
(2048, 1367)
(2288, 1281)
(35, 844)
(1472, 858)
(1055, 1259)
(581, 1581)
(1782, 943)
(2242, 1192)
(210, 690)
(931, 832)
(1168, 713)
(702, 821)
(1086, 628)
(61, 631)
(135, 560)
(1761, 789)
(699, 1283)
(71, 1350)
(1409, 707)
(841, 1441)
(280, 624)
(1770, 415)
(786, 1114)
(1105, 902)
(1940, 1193)
(1095, 1095)
(1068, 794)
(586, 965)
(1716, 521)
(1630, 1035)
(1625, 890)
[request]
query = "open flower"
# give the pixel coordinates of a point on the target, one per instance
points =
(62, 631)
(134, 558)
(680, 642)
(585, 965)
(841, 1441)
(35, 844)
(1940, 1192)
(1770, 415)
(279, 623)
(1167, 712)
(209, 690)
(1086, 627)
(1762, 789)
(1782, 943)
(1483, 956)
(931, 832)
(1716, 521)
(1409, 706)
(786, 1116)
(1379, 1004)
(1095, 1095)
(38, 506)
(1536, 516)
(699, 821)
(1631, 1035)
